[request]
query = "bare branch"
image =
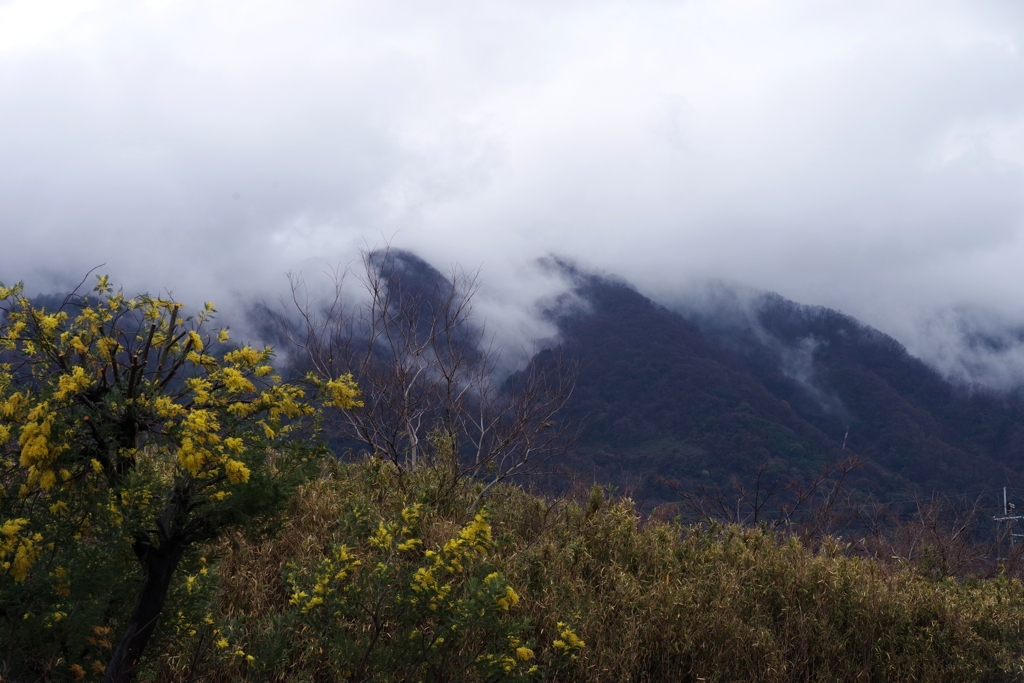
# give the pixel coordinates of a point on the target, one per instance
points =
(428, 372)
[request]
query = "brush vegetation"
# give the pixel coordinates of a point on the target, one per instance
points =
(640, 599)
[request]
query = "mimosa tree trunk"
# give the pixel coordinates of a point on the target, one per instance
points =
(159, 563)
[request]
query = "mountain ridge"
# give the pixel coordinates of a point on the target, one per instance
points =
(704, 397)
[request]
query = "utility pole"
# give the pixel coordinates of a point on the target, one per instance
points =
(1009, 517)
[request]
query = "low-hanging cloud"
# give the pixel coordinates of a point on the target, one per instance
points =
(866, 156)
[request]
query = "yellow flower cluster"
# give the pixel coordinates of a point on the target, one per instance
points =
(472, 543)
(23, 547)
(473, 540)
(507, 662)
(245, 357)
(523, 654)
(39, 450)
(568, 642)
(508, 599)
(202, 449)
(384, 535)
(333, 569)
(344, 392)
(237, 472)
(68, 385)
(166, 408)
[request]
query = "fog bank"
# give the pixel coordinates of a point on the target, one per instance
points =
(863, 156)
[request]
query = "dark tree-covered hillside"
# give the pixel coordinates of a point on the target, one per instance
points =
(656, 398)
(903, 415)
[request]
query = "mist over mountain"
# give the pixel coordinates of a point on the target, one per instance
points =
(724, 380)
(703, 394)
(901, 412)
(865, 157)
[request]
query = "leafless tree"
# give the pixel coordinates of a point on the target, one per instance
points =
(805, 507)
(938, 535)
(429, 372)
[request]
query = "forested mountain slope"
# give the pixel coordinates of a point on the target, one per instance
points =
(836, 372)
(656, 398)
(705, 397)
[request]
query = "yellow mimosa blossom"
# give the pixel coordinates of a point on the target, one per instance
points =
(237, 471)
(71, 384)
(166, 408)
(385, 533)
(47, 479)
(107, 346)
(423, 579)
(241, 409)
(313, 602)
(568, 641)
(200, 388)
(14, 406)
(509, 600)
(9, 531)
(201, 422)
(409, 544)
(192, 457)
(236, 382)
(15, 330)
(35, 442)
(411, 514)
(49, 323)
(24, 556)
(344, 393)
(245, 357)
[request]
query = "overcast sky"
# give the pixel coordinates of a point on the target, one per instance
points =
(862, 155)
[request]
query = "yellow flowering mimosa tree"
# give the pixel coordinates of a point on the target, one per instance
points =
(125, 432)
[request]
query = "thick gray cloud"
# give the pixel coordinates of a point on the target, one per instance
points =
(863, 155)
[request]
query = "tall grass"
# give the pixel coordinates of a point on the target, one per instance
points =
(652, 600)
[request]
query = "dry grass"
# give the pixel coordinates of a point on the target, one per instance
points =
(655, 601)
